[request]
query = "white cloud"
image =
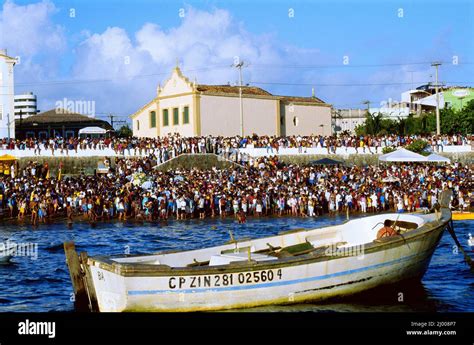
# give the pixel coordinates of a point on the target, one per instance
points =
(29, 33)
(203, 39)
(28, 30)
(205, 42)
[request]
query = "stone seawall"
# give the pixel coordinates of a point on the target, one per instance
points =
(368, 159)
(71, 165)
(199, 161)
(87, 165)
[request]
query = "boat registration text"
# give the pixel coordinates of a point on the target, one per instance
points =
(218, 280)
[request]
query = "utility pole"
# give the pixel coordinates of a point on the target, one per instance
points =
(111, 120)
(8, 125)
(239, 66)
(438, 126)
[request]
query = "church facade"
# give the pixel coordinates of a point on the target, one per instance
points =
(192, 109)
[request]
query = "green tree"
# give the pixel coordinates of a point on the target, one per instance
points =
(452, 122)
(125, 131)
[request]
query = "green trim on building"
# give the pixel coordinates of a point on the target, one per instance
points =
(175, 116)
(186, 115)
(152, 119)
(166, 119)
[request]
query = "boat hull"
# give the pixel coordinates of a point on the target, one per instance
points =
(310, 279)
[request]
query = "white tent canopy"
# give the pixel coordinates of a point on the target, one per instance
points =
(92, 130)
(402, 155)
(437, 158)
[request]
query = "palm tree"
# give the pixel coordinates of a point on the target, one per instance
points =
(401, 126)
(374, 123)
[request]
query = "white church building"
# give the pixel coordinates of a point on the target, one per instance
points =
(192, 109)
(7, 102)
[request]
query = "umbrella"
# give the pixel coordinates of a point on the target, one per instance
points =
(326, 161)
(402, 155)
(8, 157)
(437, 158)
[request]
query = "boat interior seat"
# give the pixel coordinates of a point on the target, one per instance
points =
(402, 225)
(324, 238)
(225, 259)
(196, 263)
(296, 249)
(239, 250)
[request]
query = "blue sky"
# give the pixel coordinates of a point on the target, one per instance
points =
(387, 43)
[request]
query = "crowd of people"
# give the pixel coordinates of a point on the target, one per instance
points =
(172, 145)
(134, 190)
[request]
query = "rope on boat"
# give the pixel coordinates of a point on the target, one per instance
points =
(453, 235)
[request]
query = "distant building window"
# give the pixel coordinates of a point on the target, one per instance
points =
(166, 120)
(175, 116)
(138, 125)
(186, 115)
(152, 119)
(295, 121)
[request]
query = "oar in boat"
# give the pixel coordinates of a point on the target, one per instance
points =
(455, 238)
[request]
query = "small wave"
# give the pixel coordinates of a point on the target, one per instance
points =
(55, 247)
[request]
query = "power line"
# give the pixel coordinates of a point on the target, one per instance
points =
(351, 84)
(341, 65)
(82, 81)
(261, 66)
(343, 84)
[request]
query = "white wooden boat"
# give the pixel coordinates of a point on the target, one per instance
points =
(7, 251)
(297, 266)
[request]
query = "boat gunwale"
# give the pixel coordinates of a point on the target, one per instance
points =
(150, 270)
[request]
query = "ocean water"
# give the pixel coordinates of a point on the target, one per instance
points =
(39, 281)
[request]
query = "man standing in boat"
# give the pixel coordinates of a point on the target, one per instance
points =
(386, 231)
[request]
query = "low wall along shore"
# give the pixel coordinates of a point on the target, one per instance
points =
(71, 165)
(200, 161)
(87, 165)
(367, 159)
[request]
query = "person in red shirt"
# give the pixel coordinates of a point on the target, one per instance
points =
(386, 231)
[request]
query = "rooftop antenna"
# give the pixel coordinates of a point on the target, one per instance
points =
(368, 105)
